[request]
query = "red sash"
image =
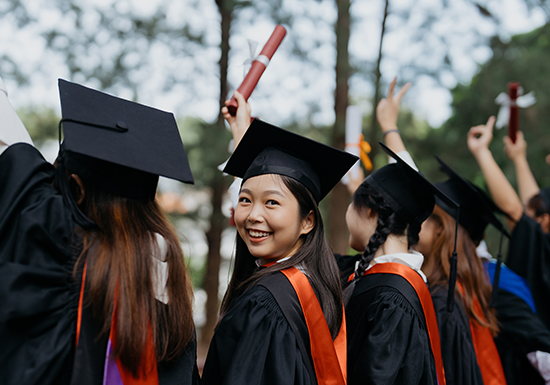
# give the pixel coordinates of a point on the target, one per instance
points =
(329, 357)
(487, 355)
(425, 298)
(149, 357)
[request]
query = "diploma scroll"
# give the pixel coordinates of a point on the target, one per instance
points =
(258, 67)
(513, 123)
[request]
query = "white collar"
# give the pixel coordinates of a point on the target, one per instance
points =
(412, 259)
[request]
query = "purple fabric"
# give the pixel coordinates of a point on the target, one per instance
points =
(111, 375)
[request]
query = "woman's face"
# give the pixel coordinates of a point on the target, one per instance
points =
(361, 225)
(268, 218)
(429, 232)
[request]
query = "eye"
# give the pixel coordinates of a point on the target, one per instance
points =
(272, 202)
(244, 200)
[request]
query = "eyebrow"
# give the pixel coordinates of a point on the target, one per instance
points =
(266, 192)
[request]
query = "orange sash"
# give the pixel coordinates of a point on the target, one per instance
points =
(487, 355)
(329, 357)
(148, 355)
(425, 298)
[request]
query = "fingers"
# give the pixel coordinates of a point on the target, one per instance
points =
(392, 87)
(402, 91)
(239, 97)
(491, 122)
(548, 158)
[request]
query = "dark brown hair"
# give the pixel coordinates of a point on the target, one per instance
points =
(537, 204)
(470, 272)
(119, 257)
(314, 255)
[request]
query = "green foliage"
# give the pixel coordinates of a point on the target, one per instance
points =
(524, 59)
(41, 122)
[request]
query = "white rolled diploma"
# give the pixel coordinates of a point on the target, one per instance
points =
(354, 128)
(12, 129)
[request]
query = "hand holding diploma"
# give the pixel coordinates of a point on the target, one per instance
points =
(240, 121)
(258, 67)
(513, 123)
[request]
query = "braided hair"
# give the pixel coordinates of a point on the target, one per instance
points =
(366, 197)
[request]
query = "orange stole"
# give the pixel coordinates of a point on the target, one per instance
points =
(329, 357)
(148, 356)
(425, 298)
(487, 355)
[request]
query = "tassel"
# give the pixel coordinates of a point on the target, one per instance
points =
(453, 268)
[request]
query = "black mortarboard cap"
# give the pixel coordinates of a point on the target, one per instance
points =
(406, 190)
(410, 187)
(476, 208)
(121, 146)
(267, 149)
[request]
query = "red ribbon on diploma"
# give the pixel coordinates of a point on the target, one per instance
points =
(258, 67)
(513, 123)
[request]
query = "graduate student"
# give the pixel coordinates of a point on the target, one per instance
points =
(529, 252)
(392, 329)
(469, 351)
(282, 318)
(93, 286)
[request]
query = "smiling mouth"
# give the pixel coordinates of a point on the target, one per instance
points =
(258, 234)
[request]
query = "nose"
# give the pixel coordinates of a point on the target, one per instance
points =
(256, 214)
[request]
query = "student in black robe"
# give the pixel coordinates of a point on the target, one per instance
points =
(469, 351)
(92, 220)
(264, 336)
(528, 255)
(388, 315)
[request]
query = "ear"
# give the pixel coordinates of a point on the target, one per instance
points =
(79, 192)
(308, 223)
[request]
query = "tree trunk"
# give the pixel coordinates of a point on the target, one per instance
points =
(374, 132)
(218, 187)
(339, 196)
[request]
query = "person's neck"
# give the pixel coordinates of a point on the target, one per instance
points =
(394, 244)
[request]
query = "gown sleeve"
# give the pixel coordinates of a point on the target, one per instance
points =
(529, 257)
(254, 344)
(387, 342)
(457, 349)
(38, 295)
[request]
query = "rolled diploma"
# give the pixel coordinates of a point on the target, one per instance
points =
(513, 123)
(258, 67)
(354, 126)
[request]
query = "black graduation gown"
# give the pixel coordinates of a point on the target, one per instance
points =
(254, 342)
(529, 256)
(457, 348)
(38, 295)
(387, 339)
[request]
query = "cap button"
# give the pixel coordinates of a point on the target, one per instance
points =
(122, 125)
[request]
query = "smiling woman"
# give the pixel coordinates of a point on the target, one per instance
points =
(268, 219)
(282, 316)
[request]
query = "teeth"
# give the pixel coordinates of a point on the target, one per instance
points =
(257, 234)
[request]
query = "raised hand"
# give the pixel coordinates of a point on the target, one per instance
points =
(388, 108)
(479, 137)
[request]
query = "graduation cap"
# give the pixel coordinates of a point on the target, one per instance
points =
(119, 145)
(410, 195)
(413, 197)
(476, 208)
(477, 211)
(267, 149)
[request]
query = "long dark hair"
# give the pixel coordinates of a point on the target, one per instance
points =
(314, 255)
(470, 272)
(119, 257)
(366, 197)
